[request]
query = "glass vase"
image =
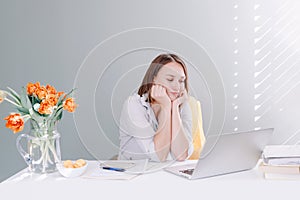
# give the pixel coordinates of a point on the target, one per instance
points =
(42, 146)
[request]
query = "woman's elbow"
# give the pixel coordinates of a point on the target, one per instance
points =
(161, 156)
(181, 157)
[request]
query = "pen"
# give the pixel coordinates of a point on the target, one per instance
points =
(114, 169)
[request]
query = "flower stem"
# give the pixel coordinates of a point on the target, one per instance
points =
(12, 96)
(10, 101)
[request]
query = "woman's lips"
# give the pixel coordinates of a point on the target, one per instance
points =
(174, 93)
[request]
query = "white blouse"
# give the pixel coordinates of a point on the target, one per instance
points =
(138, 126)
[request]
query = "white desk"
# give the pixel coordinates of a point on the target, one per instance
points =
(242, 185)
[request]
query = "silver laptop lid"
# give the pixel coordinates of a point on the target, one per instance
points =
(228, 153)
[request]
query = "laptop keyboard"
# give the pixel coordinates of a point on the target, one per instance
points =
(187, 171)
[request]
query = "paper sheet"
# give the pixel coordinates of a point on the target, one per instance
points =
(133, 169)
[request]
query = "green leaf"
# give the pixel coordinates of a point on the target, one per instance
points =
(60, 116)
(57, 114)
(34, 100)
(23, 110)
(37, 117)
(14, 94)
(61, 98)
(71, 92)
(25, 102)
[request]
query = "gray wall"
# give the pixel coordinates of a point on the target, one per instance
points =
(253, 45)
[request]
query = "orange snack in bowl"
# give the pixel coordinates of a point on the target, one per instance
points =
(75, 165)
(68, 164)
(80, 162)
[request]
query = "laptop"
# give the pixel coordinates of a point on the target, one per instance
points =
(225, 154)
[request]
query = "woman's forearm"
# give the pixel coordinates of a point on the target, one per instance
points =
(162, 138)
(179, 141)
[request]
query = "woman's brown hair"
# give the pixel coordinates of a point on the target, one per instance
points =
(154, 68)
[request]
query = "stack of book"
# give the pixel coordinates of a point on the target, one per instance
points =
(281, 162)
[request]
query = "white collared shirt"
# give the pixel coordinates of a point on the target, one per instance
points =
(138, 126)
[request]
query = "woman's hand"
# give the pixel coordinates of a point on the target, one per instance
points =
(181, 99)
(159, 94)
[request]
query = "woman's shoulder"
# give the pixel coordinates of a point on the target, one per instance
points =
(136, 101)
(134, 108)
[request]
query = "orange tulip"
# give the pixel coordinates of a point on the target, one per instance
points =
(45, 107)
(69, 105)
(31, 87)
(59, 94)
(50, 89)
(52, 99)
(2, 96)
(41, 92)
(15, 122)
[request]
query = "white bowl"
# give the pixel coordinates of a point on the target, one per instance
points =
(71, 172)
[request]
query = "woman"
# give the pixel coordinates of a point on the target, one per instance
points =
(156, 122)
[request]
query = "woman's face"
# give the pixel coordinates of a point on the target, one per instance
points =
(172, 77)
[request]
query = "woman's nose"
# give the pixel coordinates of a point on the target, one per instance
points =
(175, 86)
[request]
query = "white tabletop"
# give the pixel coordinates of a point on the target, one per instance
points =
(243, 185)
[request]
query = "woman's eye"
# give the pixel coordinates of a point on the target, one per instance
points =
(170, 80)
